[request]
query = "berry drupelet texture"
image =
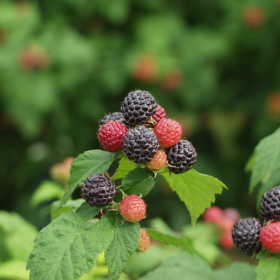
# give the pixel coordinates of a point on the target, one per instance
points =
(181, 157)
(133, 208)
(160, 114)
(270, 237)
(158, 162)
(140, 144)
(111, 135)
(270, 204)
(138, 106)
(117, 116)
(144, 241)
(246, 235)
(98, 190)
(168, 132)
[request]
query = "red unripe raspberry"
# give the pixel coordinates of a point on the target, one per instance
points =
(159, 161)
(168, 132)
(160, 114)
(226, 241)
(270, 237)
(226, 224)
(110, 136)
(133, 208)
(144, 241)
(232, 213)
(213, 215)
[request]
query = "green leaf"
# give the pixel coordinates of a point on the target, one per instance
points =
(71, 205)
(169, 239)
(138, 181)
(267, 158)
(125, 241)
(86, 211)
(14, 269)
(125, 166)
(250, 163)
(90, 162)
(67, 248)
(196, 190)
(17, 236)
(269, 266)
(46, 191)
(237, 270)
(182, 266)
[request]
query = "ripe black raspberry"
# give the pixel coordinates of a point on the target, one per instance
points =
(270, 204)
(98, 190)
(181, 157)
(246, 235)
(140, 144)
(138, 106)
(114, 117)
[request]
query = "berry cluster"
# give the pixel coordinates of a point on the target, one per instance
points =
(146, 136)
(251, 234)
(224, 220)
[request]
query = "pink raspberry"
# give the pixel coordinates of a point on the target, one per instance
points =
(270, 237)
(226, 241)
(111, 135)
(160, 114)
(212, 215)
(144, 241)
(232, 213)
(133, 208)
(159, 161)
(226, 224)
(168, 132)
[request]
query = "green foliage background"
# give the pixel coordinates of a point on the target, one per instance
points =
(228, 69)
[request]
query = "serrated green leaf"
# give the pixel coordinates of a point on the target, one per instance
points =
(46, 191)
(67, 248)
(90, 162)
(169, 239)
(124, 242)
(125, 166)
(269, 266)
(86, 211)
(14, 269)
(71, 205)
(267, 158)
(138, 181)
(237, 270)
(183, 266)
(196, 190)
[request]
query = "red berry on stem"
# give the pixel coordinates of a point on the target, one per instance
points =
(160, 114)
(168, 132)
(226, 224)
(159, 161)
(270, 237)
(213, 215)
(111, 135)
(144, 241)
(133, 208)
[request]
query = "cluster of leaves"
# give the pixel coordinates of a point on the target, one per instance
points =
(70, 245)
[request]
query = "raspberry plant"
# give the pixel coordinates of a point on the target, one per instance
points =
(70, 245)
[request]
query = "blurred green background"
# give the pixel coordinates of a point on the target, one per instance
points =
(213, 65)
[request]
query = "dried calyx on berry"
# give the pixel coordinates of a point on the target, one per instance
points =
(181, 157)
(270, 204)
(98, 190)
(138, 106)
(140, 144)
(246, 235)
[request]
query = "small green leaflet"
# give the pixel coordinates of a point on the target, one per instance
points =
(169, 239)
(86, 211)
(196, 190)
(67, 248)
(125, 166)
(125, 241)
(70, 205)
(138, 181)
(267, 158)
(269, 266)
(90, 162)
(182, 266)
